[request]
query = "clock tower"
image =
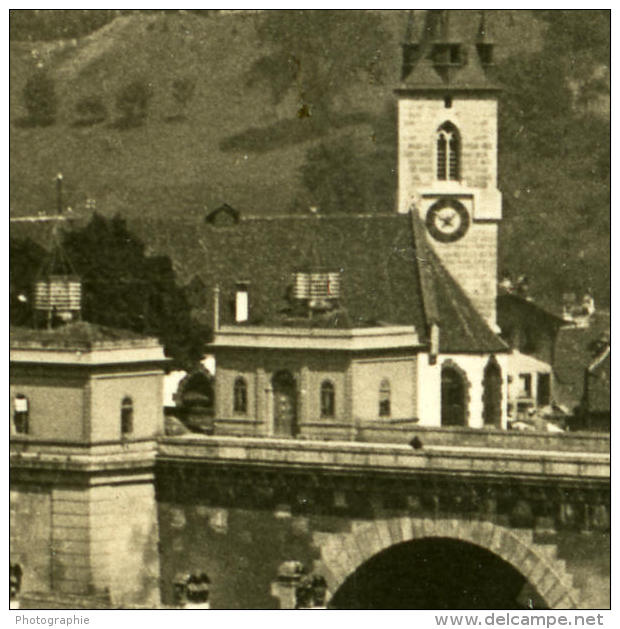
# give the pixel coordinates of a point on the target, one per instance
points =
(447, 153)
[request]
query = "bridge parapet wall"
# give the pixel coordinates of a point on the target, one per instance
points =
(402, 430)
(383, 457)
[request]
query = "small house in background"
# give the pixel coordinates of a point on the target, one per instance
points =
(577, 312)
(223, 216)
(531, 331)
(595, 409)
(577, 350)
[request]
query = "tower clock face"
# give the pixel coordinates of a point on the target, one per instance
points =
(447, 220)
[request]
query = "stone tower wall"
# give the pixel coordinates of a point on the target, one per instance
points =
(472, 260)
(419, 118)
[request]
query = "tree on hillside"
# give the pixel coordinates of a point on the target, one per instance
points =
(124, 288)
(580, 41)
(132, 102)
(121, 287)
(40, 98)
(318, 54)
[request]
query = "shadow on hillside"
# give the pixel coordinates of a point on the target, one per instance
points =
(127, 122)
(175, 118)
(291, 131)
(28, 122)
(88, 122)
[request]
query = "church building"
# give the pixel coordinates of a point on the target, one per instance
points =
(365, 326)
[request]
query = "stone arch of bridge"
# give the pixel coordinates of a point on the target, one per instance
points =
(341, 554)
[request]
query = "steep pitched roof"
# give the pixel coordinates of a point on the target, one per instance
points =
(455, 26)
(375, 254)
(462, 329)
(390, 274)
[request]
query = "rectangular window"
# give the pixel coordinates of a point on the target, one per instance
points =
(525, 379)
(21, 414)
(544, 389)
(455, 53)
(240, 396)
(126, 416)
(385, 396)
(328, 399)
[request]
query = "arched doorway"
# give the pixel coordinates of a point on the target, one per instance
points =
(195, 399)
(436, 573)
(453, 402)
(284, 404)
(492, 394)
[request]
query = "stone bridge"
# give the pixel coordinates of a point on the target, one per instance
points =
(519, 522)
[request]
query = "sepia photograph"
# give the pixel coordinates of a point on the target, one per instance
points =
(310, 309)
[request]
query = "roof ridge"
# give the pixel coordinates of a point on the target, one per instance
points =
(457, 288)
(335, 215)
(431, 272)
(255, 218)
(599, 359)
(429, 296)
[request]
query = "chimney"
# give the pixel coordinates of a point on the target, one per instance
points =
(241, 302)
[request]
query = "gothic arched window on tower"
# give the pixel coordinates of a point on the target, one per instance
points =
(448, 153)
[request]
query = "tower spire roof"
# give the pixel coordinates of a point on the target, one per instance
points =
(453, 52)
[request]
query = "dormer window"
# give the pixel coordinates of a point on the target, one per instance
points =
(448, 153)
(485, 54)
(448, 55)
